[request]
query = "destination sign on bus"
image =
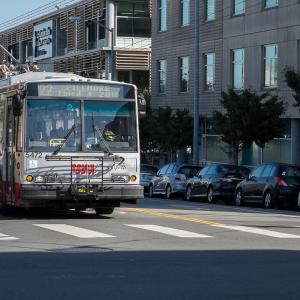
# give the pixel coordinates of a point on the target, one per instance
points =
(80, 90)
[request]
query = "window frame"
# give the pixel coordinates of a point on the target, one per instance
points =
(207, 13)
(182, 6)
(181, 74)
(206, 65)
(160, 16)
(235, 63)
(239, 13)
(266, 6)
(160, 71)
(270, 85)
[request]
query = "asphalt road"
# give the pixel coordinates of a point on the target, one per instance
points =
(157, 249)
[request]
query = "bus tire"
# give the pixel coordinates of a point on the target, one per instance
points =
(104, 210)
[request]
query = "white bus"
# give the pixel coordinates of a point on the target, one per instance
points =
(68, 142)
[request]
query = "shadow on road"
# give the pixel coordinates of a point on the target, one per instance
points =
(99, 273)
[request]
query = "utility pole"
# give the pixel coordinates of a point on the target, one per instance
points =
(197, 133)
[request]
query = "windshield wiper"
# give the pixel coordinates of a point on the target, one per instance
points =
(65, 139)
(102, 139)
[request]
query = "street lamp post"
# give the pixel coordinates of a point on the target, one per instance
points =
(197, 133)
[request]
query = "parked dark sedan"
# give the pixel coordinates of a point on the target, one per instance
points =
(271, 184)
(216, 180)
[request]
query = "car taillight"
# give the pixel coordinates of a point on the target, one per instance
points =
(280, 181)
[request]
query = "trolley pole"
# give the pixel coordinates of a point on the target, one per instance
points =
(197, 132)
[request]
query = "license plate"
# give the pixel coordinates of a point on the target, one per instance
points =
(82, 190)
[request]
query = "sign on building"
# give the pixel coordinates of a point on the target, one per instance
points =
(42, 40)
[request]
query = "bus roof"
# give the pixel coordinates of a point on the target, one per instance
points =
(49, 77)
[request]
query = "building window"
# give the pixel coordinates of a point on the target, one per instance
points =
(133, 20)
(238, 69)
(185, 12)
(162, 75)
(210, 10)
(209, 69)
(162, 15)
(270, 65)
(271, 3)
(238, 7)
(184, 73)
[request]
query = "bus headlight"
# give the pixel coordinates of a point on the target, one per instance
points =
(39, 179)
(133, 178)
(29, 178)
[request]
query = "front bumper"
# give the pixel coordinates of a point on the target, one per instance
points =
(35, 195)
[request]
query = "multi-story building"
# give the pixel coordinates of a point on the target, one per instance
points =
(243, 44)
(108, 39)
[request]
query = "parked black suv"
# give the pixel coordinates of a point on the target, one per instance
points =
(271, 184)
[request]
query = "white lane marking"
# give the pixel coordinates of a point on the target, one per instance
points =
(5, 237)
(259, 231)
(170, 231)
(74, 231)
(122, 212)
(8, 238)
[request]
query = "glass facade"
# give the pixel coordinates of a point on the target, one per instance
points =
(210, 10)
(238, 69)
(133, 20)
(185, 12)
(184, 73)
(162, 15)
(209, 76)
(162, 75)
(238, 7)
(271, 65)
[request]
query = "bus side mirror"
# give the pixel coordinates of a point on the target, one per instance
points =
(17, 104)
(141, 105)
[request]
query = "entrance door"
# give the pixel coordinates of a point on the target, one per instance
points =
(10, 153)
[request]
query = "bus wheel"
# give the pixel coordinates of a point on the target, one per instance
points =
(104, 210)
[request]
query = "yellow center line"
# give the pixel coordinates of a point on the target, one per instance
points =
(171, 216)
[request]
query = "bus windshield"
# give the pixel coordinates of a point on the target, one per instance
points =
(50, 121)
(108, 125)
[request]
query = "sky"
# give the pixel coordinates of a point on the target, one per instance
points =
(15, 8)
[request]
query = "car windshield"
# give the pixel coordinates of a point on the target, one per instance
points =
(50, 122)
(110, 125)
(290, 171)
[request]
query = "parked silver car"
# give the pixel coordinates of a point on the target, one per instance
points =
(147, 173)
(171, 179)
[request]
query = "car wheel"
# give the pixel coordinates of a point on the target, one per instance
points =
(238, 200)
(168, 192)
(268, 200)
(150, 193)
(210, 195)
(188, 193)
(104, 210)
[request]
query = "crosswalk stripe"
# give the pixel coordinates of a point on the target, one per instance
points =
(74, 231)
(170, 231)
(8, 238)
(5, 237)
(260, 231)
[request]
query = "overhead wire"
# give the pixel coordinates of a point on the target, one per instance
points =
(43, 10)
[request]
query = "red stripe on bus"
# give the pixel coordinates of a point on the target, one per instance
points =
(17, 193)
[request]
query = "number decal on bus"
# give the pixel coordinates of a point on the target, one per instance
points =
(33, 155)
(82, 169)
